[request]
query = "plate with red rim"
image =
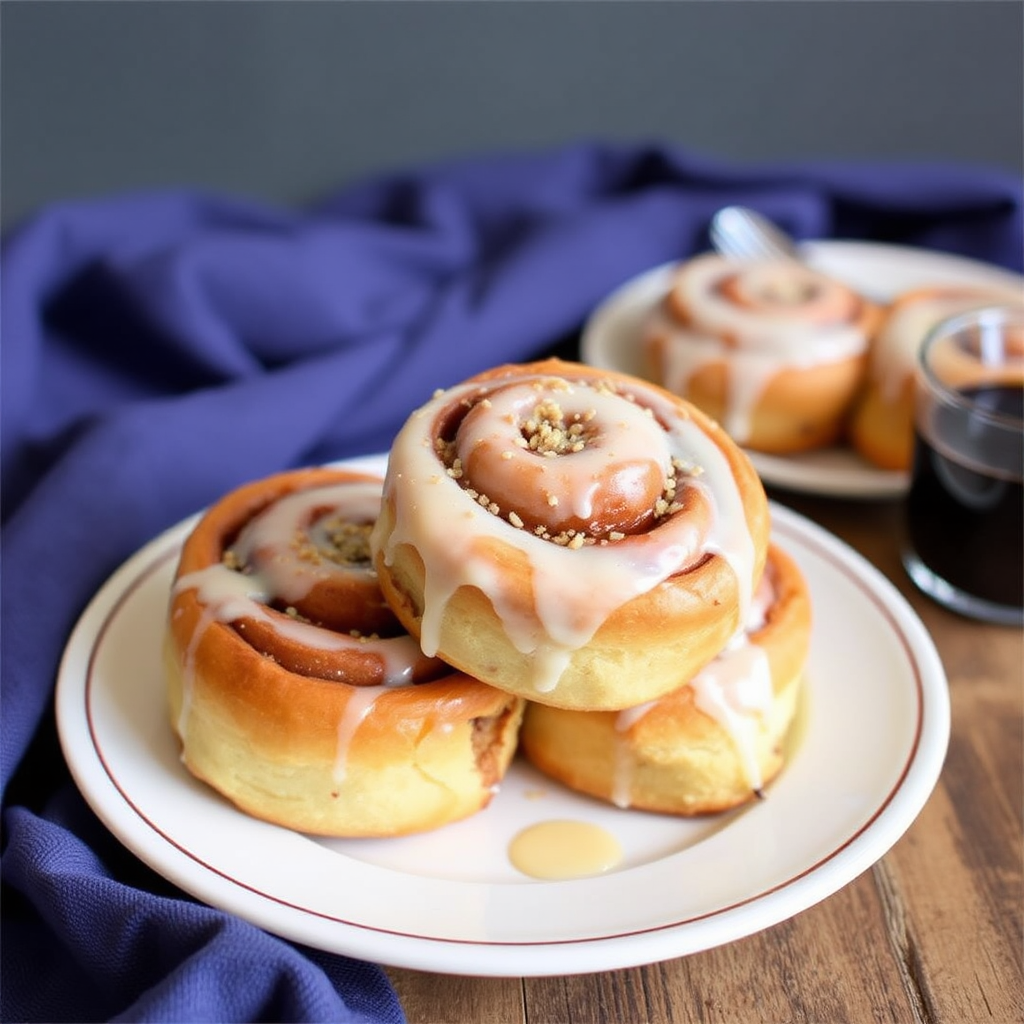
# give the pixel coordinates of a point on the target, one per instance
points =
(609, 341)
(451, 901)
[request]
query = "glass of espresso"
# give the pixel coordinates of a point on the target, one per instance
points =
(965, 522)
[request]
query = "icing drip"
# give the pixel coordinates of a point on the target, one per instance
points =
(622, 779)
(358, 707)
(735, 690)
(575, 587)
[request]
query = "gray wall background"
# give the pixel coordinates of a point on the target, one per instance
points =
(287, 101)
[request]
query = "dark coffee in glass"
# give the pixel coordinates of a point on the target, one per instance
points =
(965, 507)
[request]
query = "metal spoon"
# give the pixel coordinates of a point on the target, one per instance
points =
(739, 233)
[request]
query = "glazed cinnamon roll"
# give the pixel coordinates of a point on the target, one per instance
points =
(774, 351)
(294, 690)
(882, 424)
(571, 535)
(708, 746)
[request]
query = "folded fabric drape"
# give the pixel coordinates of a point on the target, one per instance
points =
(161, 348)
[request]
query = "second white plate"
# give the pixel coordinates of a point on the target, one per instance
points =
(610, 336)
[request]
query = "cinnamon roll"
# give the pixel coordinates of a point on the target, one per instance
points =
(711, 744)
(773, 351)
(882, 423)
(571, 535)
(294, 690)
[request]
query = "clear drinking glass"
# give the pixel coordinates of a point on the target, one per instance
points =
(964, 517)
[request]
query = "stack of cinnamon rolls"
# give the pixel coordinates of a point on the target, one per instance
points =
(561, 563)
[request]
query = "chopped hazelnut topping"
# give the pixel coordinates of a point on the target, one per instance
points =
(547, 432)
(348, 543)
(686, 468)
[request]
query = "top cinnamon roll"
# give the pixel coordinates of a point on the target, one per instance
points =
(773, 351)
(571, 535)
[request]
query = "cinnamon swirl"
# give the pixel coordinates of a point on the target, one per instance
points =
(571, 535)
(294, 690)
(774, 351)
(711, 744)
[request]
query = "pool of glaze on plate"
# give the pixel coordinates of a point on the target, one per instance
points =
(561, 849)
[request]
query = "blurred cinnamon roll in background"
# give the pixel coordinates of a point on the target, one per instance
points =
(882, 422)
(774, 351)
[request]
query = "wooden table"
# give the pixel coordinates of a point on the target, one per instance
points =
(932, 932)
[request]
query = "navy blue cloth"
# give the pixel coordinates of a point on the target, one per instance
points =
(159, 349)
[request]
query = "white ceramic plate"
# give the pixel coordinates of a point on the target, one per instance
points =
(609, 340)
(450, 901)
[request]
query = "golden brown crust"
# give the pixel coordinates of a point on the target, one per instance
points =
(643, 643)
(342, 755)
(675, 758)
(882, 429)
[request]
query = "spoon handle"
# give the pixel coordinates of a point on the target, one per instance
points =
(739, 233)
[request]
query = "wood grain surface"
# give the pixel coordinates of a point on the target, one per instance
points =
(931, 933)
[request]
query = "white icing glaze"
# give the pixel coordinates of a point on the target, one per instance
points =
(306, 511)
(228, 596)
(574, 590)
(795, 331)
(764, 339)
